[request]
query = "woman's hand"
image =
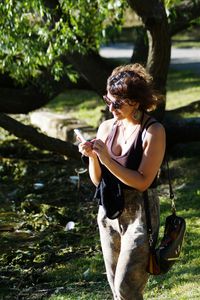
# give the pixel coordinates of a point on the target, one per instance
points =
(86, 148)
(101, 150)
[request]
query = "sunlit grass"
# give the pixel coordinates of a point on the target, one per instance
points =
(187, 39)
(72, 98)
(90, 112)
(183, 87)
(80, 104)
(83, 278)
(186, 44)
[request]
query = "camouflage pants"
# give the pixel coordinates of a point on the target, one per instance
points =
(125, 245)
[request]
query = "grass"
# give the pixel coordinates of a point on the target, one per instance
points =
(183, 87)
(81, 104)
(53, 264)
(187, 39)
(183, 281)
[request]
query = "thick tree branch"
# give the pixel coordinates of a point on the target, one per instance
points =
(93, 69)
(18, 99)
(37, 139)
(182, 130)
(181, 15)
(13, 100)
(192, 107)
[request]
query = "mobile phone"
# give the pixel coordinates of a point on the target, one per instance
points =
(79, 135)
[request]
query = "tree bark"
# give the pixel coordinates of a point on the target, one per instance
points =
(178, 131)
(24, 100)
(37, 139)
(154, 17)
(181, 130)
(93, 71)
(194, 106)
(181, 15)
(17, 99)
(141, 47)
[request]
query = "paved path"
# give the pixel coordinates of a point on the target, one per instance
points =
(184, 58)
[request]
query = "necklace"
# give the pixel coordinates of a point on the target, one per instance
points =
(128, 137)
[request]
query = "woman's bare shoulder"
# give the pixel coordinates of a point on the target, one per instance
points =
(105, 128)
(155, 135)
(107, 123)
(156, 127)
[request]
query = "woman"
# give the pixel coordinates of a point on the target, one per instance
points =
(130, 149)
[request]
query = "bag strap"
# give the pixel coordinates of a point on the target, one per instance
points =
(147, 210)
(171, 192)
(148, 219)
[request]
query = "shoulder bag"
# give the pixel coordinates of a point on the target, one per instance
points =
(163, 257)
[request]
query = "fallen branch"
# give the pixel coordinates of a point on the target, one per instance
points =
(37, 139)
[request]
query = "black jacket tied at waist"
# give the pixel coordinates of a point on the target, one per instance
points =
(109, 194)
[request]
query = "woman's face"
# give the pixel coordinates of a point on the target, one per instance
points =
(120, 109)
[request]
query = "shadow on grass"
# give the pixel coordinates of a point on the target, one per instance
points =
(182, 80)
(74, 98)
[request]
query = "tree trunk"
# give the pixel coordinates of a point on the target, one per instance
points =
(141, 47)
(194, 106)
(37, 139)
(17, 99)
(154, 18)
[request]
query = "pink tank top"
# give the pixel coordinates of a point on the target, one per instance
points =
(121, 159)
(132, 158)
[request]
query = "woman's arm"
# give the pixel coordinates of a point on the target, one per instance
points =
(154, 149)
(87, 150)
(94, 170)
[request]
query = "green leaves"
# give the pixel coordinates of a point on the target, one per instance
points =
(170, 3)
(34, 37)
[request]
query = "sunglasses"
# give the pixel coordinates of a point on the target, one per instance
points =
(116, 104)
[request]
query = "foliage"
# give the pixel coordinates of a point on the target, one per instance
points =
(170, 3)
(36, 34)
(173, 13)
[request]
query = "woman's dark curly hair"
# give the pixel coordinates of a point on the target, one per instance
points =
(133, 84)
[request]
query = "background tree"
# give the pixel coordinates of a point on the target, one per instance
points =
(41, 39)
